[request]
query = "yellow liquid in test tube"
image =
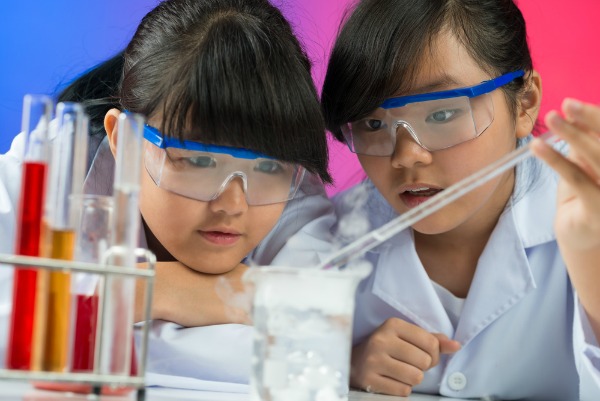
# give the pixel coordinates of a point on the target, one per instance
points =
(59, 303)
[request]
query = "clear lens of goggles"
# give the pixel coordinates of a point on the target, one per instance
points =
(433, 124)
(205, 175)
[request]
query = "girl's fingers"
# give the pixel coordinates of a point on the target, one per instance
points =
(415, 335)
(570, 172)
(385, 385)
(406, 352)
(585, 145)
(400, 371)
(583, 114)
(447, 346)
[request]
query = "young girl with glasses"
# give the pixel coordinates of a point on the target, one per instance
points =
(235, 159)
(495, 294)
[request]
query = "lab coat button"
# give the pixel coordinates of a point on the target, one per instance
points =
(457, 381)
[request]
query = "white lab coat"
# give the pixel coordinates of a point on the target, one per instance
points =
(217, 353)
(10, 186)
(521, 330)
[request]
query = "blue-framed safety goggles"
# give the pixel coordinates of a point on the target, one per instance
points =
(202, 171)
(436, 120)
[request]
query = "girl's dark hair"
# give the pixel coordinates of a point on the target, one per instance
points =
(228, 72)
(96, 90)
(378, 50)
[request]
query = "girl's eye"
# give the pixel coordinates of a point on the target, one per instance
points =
(201, 161)
(441, 116)
(268, 167)
(374, 124)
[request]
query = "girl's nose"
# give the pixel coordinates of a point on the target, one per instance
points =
(407, 152)
(232, 200)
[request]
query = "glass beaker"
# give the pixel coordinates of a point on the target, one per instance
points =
(302, 332)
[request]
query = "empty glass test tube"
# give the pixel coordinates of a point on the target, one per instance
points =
(117, 306)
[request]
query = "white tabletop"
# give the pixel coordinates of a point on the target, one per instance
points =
(23, 391)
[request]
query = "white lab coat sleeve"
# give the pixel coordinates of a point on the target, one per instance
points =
(220, 353)
(587, 355)
(10, 185)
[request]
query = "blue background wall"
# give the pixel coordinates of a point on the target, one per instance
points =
(45, 43)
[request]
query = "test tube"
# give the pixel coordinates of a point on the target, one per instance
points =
(93, 238)
(37, 112)
(67, 171)
(116, 330)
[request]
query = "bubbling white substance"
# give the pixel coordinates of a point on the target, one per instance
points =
(331, 292)
(302, 342)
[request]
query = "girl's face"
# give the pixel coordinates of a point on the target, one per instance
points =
(411, 175)
(209, 237)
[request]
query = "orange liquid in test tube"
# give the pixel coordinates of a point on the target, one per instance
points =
(67, 169)
(59, 303)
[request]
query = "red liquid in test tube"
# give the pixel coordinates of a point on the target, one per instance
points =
(85, 333)
(20, 334)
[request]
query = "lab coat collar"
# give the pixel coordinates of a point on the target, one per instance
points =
(401, 281)
(533, 204)
(503, 276)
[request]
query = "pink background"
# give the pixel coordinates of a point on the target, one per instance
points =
(563, 36)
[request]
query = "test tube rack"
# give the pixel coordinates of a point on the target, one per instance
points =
(95, 379)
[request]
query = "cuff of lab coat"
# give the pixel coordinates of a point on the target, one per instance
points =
(587, 355)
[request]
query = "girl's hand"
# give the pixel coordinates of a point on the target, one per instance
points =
(189, 298)
(577, 221)
(396, 355)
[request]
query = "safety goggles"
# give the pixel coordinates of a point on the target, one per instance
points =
(201, 171)
(436, 120)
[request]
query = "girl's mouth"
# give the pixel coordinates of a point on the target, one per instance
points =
(220, 238)
(414, 197)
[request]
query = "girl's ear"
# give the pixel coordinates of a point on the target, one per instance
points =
(529, 105)
(110, 126)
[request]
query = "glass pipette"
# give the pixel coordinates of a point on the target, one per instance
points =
(427, 208)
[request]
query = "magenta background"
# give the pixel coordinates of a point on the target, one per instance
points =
(563, 35)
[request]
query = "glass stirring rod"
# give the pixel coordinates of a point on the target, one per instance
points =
(427, 208)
